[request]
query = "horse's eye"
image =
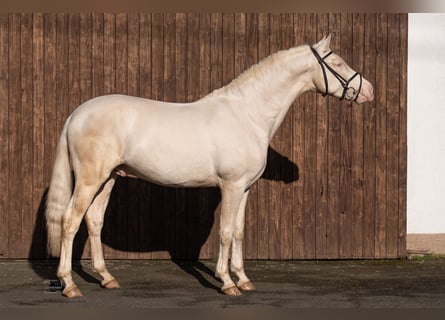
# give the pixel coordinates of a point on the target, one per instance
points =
(338, 64)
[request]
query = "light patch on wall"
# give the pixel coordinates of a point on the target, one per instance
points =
(426, 123)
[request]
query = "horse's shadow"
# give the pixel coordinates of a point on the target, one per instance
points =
(144, 217)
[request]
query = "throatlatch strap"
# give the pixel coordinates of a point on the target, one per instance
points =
(322, 64)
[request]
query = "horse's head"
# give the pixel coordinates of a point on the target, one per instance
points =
(331, 75)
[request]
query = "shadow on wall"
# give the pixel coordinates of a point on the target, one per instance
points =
(144, 217)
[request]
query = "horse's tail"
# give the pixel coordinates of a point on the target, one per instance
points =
(59, 194)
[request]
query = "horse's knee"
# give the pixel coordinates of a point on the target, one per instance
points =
(226, 235)
(238, 234)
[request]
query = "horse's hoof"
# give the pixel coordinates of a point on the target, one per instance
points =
(247, 286)
(72, 292)
(110, 284)
(232, 291)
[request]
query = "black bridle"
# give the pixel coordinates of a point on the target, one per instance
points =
(344, 83)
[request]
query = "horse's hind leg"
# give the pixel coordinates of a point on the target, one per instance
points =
(95, 219)
(82, 197)
(237, 265)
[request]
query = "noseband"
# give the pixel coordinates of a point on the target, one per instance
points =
(344, 83)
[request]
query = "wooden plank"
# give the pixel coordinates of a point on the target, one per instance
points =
(97, 63)
(109, 54)
(369, 149)
(73, 65)
(357, 142)
(193, 214)
(4, 132)
(63, 68)
(310, 154)
(63, 85)
(74, 99)
(169, 80)
(346, 214)
(205, 206)
(123, 236)
(381, 152)
(86, 44)
(228, 48)
(263, 189)
(287, 170)
(38, 186)
(403, 18)
(27, 133)
(274, 196)
(50, 85)
(145, 91)
(180, 241)
(321, 201)
(216, 81)
(392, 143)
(133, 199)
(298, 154)
(158, 94)
(15, 194)
(251, 222)
(334, 150)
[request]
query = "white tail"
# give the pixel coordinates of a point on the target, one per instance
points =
(59, 195)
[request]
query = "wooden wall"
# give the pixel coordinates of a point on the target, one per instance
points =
(335, 186)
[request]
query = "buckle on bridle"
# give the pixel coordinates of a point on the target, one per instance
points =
(344, 83)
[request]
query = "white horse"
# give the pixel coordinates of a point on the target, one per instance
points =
(220, 140)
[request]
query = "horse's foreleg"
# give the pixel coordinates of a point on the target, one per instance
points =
(231, 197)
(237, 265)
(95, 219)
(81, 199)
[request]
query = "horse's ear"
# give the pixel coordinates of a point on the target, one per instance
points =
(324, 44)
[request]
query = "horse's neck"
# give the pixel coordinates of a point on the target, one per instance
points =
(267, 90)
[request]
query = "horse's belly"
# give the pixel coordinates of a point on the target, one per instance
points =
(174, 172)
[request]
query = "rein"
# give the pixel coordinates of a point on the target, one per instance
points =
(344, 83)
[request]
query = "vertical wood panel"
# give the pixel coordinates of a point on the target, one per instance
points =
(109, 83)
(26, 128)
(298, 155)
(4, 125)
(403, 113)
(369, 165)
(263, 190)
(286, 171)
(97, 55)
(310, 154)
(321, 161)
(274, 197)
(346, 214)
(392, 137)
(193, 226)
(334, 151)
(157, 84)
(251, 232)
(381, 154)
(181, 96)
(133, 190)
(205, 207)
(216, 81)
(349, 200)
(15, 187)
(145, 91)
(38, 184)
(357, 143)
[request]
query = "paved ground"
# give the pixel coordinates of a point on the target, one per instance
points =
(302, 284)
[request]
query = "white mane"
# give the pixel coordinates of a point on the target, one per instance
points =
(255, 76)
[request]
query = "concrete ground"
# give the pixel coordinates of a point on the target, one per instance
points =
(418, 283)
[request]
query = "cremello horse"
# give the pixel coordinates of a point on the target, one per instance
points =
(220, 140)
